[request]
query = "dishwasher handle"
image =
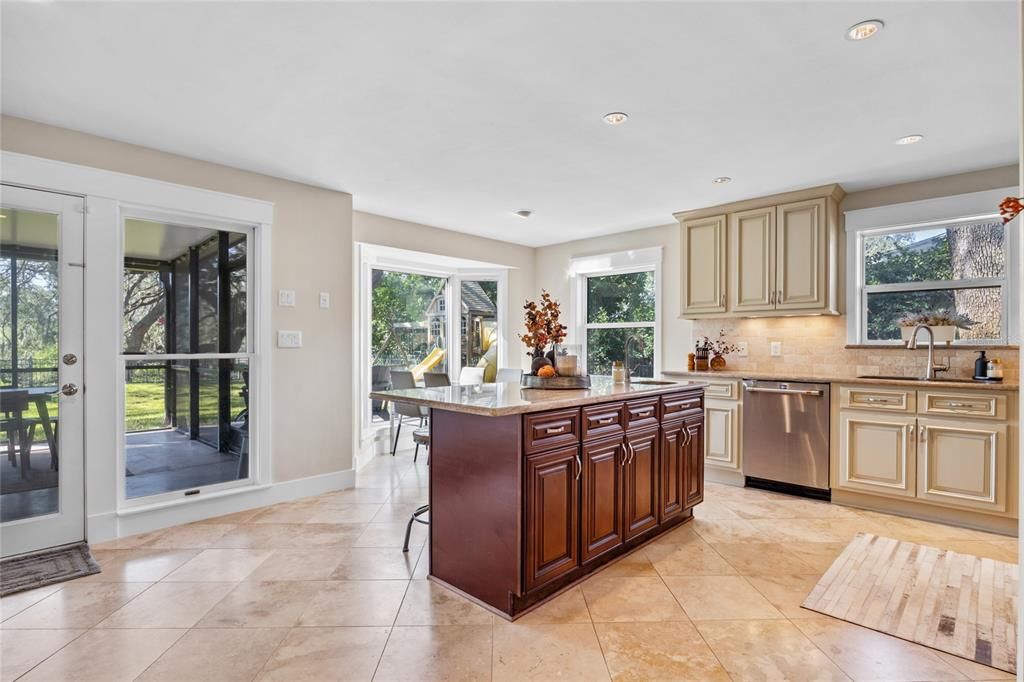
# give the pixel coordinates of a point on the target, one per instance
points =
(784, 391)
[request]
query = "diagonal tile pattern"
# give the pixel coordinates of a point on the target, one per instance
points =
(319, 589)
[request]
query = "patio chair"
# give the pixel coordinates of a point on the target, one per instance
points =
(471, 376)
(400, 380)
(13, 405)
(508, 375)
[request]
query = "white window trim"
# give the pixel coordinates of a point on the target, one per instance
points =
(970, 207)
(616, 263)
(456, 270)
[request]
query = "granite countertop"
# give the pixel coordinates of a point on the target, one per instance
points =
(952, 382)
(499, 400)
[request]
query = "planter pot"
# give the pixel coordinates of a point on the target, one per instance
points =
(717, 362)
(943, 334)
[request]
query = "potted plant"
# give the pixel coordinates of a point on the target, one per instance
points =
(543, 327)
(715, 350)
(943, 323)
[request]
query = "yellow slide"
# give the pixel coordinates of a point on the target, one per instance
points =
(432, 360)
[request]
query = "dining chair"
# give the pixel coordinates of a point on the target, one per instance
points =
(471, 376)
(13, 405)
(436, 380)
(509, 375)
(421, 436)
(401, 379)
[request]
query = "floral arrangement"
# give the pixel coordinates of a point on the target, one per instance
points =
(1010, 208)
(543, 327)
(940, 318)
(720, 347)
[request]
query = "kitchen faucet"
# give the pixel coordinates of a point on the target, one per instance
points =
(632, 338)
(931, 368)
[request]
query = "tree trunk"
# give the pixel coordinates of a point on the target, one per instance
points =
(977, 251)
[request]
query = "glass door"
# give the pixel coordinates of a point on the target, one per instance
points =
(42, 484)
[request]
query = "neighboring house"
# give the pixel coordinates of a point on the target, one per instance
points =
(479, 314)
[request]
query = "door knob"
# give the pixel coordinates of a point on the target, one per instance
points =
(70, 358)
(69, 389)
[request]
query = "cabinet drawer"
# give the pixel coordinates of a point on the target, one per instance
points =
(677, 405)
(947, 403)
(603, 420)
(640, 413)
(875, 398)
(547, 430)
(724, 390)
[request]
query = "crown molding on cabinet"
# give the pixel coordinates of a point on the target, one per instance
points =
(833, 191)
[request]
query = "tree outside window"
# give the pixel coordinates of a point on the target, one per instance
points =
(618, 306)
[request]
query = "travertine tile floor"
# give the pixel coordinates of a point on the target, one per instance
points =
(320, 590)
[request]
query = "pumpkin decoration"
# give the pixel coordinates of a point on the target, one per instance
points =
(1010, 208)
(547, 371)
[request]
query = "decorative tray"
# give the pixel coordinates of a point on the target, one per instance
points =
(556, 383)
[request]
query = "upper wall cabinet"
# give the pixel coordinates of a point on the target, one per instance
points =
(763, 257)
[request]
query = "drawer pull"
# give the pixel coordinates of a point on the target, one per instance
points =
(969, 406)
(646, 413)
(606, 420)
(553, 430)
(884, 401)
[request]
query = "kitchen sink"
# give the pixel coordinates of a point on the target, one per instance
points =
(651, 382)
(902, 378)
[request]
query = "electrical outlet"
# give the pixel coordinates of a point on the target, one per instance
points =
(286, 297)
(325, 299)
(776, 349)
(741, 347)
(289, 339)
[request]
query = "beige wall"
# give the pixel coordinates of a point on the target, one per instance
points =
(312, 245)
(400, 234)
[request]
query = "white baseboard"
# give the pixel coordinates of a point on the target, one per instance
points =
(724, 476)
(112, 525)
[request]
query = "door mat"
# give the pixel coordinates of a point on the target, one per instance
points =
(28, 571)
(958, 603)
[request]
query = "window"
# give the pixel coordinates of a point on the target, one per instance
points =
(616, 297)
(959, 267)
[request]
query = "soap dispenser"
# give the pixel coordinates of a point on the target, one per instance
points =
(981, 366)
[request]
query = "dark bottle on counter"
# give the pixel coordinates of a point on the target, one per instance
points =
(981, 366)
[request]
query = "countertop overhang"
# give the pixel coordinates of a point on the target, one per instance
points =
(499, 400)
(1007, 385)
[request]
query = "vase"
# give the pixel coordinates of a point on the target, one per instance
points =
(717, 362)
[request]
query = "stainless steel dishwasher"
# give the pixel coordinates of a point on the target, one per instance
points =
(785, 436)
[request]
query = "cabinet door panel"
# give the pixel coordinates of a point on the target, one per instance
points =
(671, 502)
(962, 463)
(601, 525)
(752, 259)
(641, 482)
(801, 263)
(552, 515)
(693, 459)
(721, 424)
(877, 453)
(703, 257)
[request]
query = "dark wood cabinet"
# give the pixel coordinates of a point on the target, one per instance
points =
(601, 517)
(672, 500)
(693, 456)
(552, 515)
(641, 481)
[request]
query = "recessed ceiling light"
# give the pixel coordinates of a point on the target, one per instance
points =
(864, 29)
(722, 179)
(524, 213)
(910, 139)
(615, 118)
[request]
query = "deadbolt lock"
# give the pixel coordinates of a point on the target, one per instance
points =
(70, 358)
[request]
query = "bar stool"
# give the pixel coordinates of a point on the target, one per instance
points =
(422, 437)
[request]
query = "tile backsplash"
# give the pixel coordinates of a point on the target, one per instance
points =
(817, 345)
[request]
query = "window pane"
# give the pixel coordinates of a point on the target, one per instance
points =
(954, 252)
(621, 298)
(186, 424)
(607, 345)
(479, 326)
(983, 305)
(184, 289)
(408, 328)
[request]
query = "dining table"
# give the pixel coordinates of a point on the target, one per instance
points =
(39, 396)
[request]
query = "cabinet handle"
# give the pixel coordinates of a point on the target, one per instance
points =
(551, 429)
(644, 414)
(722, 301)
(911, 432)
(924, 433)
(970, 406)
(607, 420)
(771, 298)
(579, 466)
(883, 401)
(632, 453)
(625, 454)
(686, 440)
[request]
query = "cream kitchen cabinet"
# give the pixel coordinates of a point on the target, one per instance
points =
(723, 461)
(704, 265)
(878, 453)
(962, 463)
(778, 256)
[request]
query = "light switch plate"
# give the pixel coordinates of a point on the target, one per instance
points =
(286, 297)
(776, 349)
(289, 339)
(741, 349)
(325, 299)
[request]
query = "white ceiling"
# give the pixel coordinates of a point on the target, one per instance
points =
(458, 114)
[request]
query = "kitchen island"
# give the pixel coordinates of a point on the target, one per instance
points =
(531, 490)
